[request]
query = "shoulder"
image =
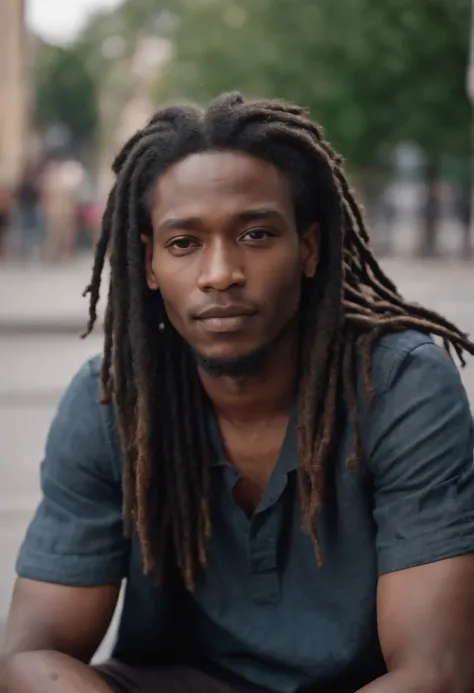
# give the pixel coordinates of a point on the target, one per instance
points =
(420, 402)
(82, 422)
(76, 536)
(394, 352)
(80, 401)
(85, 383)
(408, 368)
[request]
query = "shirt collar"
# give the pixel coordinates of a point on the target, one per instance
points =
(288, 459)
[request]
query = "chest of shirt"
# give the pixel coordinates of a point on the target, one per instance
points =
(263, 595)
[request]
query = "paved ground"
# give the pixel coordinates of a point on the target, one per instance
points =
(41, 315)
(42, 298)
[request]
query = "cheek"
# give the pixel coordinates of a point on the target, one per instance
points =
(169, 275)
(175, 282)
(284, 284)
(290, 295)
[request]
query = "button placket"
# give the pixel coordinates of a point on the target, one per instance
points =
(263, 564)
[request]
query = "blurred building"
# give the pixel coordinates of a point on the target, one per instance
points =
(13, 89)
(126, 101)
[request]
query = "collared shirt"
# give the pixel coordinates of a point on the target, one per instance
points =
(263, 610)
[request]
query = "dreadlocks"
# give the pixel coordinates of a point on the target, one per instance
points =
(148, 373)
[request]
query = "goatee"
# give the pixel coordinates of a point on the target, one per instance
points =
(241, 367)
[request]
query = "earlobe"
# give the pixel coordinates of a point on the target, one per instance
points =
(311, 245)
(149, 273)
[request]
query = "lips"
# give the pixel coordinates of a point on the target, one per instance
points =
(228, 318)
(230, 310)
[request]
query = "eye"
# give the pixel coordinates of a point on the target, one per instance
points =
(257, 235)
(182, 244)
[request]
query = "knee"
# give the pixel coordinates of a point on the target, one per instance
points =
(48, 672)
(27, 672)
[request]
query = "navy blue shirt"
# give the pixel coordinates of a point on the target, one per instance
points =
(264, 610)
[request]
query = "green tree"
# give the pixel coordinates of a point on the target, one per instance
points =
(373, 73)
(310, 53)
(109, 45)
(112, 37)
(429, 81)
(65, 93)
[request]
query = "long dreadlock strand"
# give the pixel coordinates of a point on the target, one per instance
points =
(194, 476)
(106, 375)
(143, 368)
(99, 261)
(349, 366)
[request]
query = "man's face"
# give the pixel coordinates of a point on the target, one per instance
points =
(226, 254)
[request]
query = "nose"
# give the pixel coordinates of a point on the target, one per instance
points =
(221, 268)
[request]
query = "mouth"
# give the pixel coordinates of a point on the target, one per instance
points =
(228, 318)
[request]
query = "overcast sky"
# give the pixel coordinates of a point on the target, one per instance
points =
(60, 20)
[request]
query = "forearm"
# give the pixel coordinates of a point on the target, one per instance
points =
(409, 682)
(48, 672)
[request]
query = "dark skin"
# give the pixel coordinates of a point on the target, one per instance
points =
(225, 238)
(425, 614)
(52, 633)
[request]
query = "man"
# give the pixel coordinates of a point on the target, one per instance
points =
(288, 451)
(28, 202)
(61, 183)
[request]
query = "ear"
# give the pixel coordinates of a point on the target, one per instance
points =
(150, 274)
(310, 244)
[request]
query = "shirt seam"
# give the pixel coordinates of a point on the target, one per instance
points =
(416, 558)
(401, 355)
(62, 555)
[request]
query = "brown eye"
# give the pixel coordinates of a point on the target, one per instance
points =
(182, 243)
(257, 235)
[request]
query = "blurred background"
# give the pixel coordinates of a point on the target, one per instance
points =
(390, 82)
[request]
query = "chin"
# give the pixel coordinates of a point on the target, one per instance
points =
(227, 363)
(227, 349)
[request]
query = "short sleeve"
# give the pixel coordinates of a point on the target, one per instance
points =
(76, 537)
(419, 447)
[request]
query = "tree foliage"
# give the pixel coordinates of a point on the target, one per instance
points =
(66, 93)
(373, 73)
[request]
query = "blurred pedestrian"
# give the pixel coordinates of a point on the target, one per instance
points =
(463, 207)
(388, 215)
(61, 183)
(89, 212)
(28, 202)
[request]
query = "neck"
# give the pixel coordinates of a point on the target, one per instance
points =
(266, 395)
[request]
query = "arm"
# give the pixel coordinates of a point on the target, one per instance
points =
(71, 620)
(74, 556)
(420, 450)
(52, 633)
(426, 628)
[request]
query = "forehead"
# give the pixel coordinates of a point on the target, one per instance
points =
(221, 179)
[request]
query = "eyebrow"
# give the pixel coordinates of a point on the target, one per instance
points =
(187, 223)
(249, 215)
(261, 214)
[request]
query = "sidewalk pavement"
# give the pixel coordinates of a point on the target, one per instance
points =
(48, 298)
